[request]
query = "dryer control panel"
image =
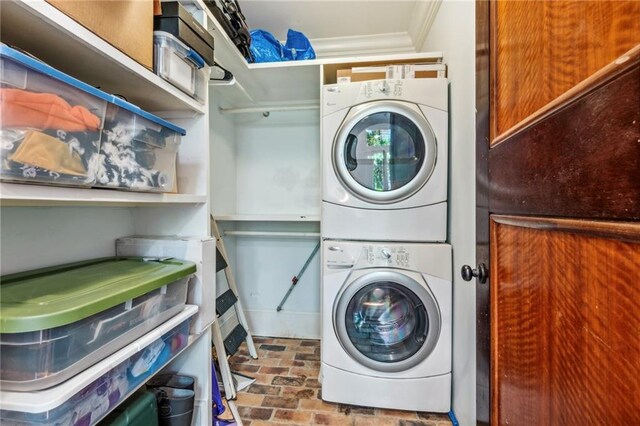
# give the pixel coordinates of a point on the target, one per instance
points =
(430, 92)
(393, 256)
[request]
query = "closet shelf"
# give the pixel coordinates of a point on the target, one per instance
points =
(14, 194)
(52, 36)
(272, 234)
(289, 81)
(48, 399)
(268, 218)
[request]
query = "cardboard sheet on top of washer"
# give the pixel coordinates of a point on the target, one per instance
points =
(392, 71)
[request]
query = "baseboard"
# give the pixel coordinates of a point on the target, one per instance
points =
(300, 325)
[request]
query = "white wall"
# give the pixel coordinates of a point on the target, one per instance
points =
(453, 33)
(278, 163)
(222, 149)
(35, 237)
(265, 267)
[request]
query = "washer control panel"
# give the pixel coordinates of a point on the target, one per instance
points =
(394, 256)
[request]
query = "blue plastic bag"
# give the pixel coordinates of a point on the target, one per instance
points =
(298, 47)
(265, 47)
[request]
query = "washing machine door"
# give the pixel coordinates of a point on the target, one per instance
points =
(384, 151)
(387, 321)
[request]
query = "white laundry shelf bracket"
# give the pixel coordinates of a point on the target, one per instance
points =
(273, 234)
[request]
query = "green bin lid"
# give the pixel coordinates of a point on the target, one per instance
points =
(60, 295)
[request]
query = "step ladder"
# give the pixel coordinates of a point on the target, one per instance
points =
(228, 345)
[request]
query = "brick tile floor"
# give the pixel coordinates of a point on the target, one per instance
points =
(287, 392)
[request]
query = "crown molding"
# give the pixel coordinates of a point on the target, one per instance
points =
(373, 44)
(424, 13)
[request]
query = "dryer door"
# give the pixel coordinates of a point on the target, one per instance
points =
(384, 151)
(387, 321)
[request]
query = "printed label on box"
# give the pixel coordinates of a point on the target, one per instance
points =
(409, 71)
(394, 72)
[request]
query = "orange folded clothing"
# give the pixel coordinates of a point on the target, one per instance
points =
(20, 108)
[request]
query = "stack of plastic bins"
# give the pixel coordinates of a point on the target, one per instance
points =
(56, 322)
(86, 398)
(57, 130)
(50, 123)
(138, 150)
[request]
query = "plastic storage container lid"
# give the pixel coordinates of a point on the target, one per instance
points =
(34, 64)
(60, 295)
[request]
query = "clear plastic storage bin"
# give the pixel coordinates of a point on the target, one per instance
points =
(56, 322)
(138, 150)
(90, 396)
(180, 65)
(50, 123)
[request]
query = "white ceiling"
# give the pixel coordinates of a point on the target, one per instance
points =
(334, 25)
(328, 18)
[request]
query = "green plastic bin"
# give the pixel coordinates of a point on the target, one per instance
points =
(139, 410)
(58, 321)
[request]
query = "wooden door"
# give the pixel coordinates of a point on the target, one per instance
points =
(558, 217)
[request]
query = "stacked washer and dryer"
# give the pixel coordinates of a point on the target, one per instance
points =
(387, 271)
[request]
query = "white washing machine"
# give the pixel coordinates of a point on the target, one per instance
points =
(386, 325)
(385, 160)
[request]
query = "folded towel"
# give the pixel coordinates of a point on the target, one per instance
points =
(20, 108)
(47, 152)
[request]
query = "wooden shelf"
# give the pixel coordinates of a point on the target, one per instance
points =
(268, 218)
(55, 38)
(15, 194)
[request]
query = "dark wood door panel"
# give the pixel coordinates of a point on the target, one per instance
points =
(565, 322)
(483, 330)
(544, 48)
(581, 158)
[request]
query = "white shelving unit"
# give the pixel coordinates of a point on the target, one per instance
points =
(57, 39)
(268, 218)
(276, 83)
(266, 180)
(48, 400)
(46, 225)
(16, 195)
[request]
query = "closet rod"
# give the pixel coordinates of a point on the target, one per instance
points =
(272, 234)
(267, 109)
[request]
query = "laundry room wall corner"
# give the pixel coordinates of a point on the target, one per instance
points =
(222, 131)
(453, 32)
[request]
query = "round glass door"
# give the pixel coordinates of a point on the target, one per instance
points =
(387, 321)
(385, 151)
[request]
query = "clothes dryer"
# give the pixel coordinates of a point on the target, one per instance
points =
(386, 325)
(385, 160)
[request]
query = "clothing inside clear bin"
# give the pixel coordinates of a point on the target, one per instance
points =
(73, 161)
(134, 153)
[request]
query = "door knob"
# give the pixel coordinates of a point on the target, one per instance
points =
(481, 273)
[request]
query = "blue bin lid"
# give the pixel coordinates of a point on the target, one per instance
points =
(41, 67)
